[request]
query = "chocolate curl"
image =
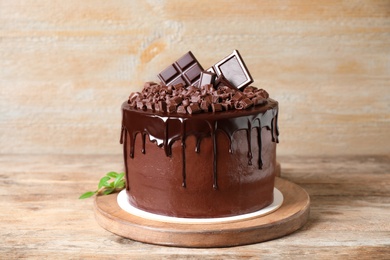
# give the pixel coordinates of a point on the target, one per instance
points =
(140, 105)
(133, 104)
(133, 96)
(238, 105)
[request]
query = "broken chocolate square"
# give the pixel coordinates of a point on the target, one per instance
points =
(206, 78)
(185, 70)
(233, 69)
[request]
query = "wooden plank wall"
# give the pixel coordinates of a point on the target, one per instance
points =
(66, 67)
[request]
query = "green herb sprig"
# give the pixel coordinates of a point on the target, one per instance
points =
(111, 182)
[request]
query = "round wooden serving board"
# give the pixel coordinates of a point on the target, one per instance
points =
(291, 216)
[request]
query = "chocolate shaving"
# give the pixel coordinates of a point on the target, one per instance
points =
(194, 100)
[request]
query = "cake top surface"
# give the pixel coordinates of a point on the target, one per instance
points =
(186, 88)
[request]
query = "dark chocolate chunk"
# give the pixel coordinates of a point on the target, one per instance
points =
(149, 105)
(259, 101)
(179, 86)
(250, 89)
(225, 106)
(148, 85)
(215, 99)
(208, 87)
(185, 102)
(246, 103)
(176, 101)
(185, 70)
(193, 108)
(162, 106)
(208, 98)
(262, 93)
(205, 105)
(238, 96)
(216, 107)
(171, 108)
(195, 99)
(181, 110)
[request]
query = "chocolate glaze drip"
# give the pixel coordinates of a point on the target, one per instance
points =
(164, 129)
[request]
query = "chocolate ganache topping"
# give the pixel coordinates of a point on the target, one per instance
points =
(199, 104)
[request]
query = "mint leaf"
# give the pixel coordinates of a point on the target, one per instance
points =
(104, 182)
(111, 182)
(88, 194)
(112, 174)
(120, 185)
(118, 179)
(108, 191)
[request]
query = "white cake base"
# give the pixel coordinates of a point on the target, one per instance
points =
(126, 206)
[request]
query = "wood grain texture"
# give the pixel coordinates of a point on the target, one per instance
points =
(66, 67)
(42, 218)
(291, 216)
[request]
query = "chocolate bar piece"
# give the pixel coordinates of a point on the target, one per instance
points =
(206, 78)
(185, 70)
(234, 70)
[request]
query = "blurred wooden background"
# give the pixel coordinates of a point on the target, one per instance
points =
(66, 67)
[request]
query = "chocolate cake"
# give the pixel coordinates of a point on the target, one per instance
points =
(202, 143)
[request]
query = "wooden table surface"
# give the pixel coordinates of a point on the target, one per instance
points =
(42, 217)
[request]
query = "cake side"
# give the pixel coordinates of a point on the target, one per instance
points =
(203, 165)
